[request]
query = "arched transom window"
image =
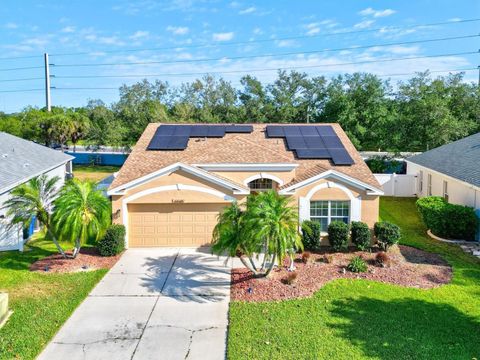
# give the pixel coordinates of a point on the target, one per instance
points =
(261, 184)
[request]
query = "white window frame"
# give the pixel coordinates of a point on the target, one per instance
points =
(329, 216)
(429, 185)
(445, 190)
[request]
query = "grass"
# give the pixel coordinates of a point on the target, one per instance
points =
(93, 172)
(359, 319)
(41, 302)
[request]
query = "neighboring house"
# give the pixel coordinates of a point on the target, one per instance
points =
(179, 177)
(20, 161)
(451, 171)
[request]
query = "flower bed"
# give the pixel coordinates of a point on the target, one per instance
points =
(408, 267)
(88, 259)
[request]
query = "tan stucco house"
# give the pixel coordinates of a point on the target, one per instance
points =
(172, 186)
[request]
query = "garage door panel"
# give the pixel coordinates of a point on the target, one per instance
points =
(172, 224)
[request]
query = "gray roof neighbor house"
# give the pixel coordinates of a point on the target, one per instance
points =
(459, 159)
(21, 160)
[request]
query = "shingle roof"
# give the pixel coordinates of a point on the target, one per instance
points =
(22, 159)
(459, 159)
(253, 148)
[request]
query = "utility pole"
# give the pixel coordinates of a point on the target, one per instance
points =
(478, 75)
(47, 84)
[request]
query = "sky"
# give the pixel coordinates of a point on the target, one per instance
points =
(121, 42)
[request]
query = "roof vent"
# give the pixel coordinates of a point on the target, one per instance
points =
(26, 165)
(4, 155)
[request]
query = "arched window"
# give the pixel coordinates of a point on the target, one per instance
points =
(261, 184)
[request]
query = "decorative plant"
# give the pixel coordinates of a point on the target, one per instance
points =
(387, 234)
(311, 234)
(382, 259)
(291, 278)
(113, 242)
(306, 257)
(357, 265)
(82, 212)
(361, 235)
(35, 199)
(266, 226)
(338, 235)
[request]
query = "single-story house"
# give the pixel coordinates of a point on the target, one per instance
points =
(451, 171)
(179, 177)
(20, 161)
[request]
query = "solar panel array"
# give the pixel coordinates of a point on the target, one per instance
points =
(312, 142)
(175, 137)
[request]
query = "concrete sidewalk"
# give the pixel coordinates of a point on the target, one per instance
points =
(153, 304)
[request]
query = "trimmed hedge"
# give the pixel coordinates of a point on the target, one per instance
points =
(338, 233)
(448, 220)
(387, 234)
(311, 235)
(361, 235)
(113, 242)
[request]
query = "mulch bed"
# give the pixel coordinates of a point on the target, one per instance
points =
(87, 260)
(408, 267)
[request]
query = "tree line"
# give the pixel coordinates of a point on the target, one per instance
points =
(413, 115)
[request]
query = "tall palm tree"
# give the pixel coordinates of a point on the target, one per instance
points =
(267, 225)
(82, 212)
(35, 198)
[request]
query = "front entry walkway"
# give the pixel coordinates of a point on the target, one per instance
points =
(154, 303)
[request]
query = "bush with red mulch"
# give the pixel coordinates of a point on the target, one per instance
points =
(408, 267)
(88, 259)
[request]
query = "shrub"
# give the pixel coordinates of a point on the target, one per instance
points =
(357, 265)
(306, 257)
(291, 278)
(311, 235)
(113, 242)
(387, 234)
(382, 259)
(361, 235)
(447, 220)
(338, 235)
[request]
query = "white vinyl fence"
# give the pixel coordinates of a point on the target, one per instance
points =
(398, 185)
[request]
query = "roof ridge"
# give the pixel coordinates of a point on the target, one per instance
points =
(263, 147)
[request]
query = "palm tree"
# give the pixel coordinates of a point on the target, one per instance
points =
(35, 198)
(82, 212)
(267, 225)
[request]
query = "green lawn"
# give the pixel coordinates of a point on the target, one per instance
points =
(41, 302)
(93, 172)
(358, 319)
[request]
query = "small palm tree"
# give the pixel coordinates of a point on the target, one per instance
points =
(267, 225)
(35, 198)
(82, 212)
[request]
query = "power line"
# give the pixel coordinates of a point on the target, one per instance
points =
(23, 90)
(269, 55)
(20, 57)
(24, 79)
(259, 70)
(298, 37)
(22, 68)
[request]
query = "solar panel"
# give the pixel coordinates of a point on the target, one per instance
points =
(326, 130)
(308, 130)
(292, 130)
(199, 130)
(182, 130)
(332, 142)
(296, 142)
(158, 142)
(275, 131)
(312, 154)
(314, 142)
(216, 131)
(177, 142)
(239, 129)
(340, 157)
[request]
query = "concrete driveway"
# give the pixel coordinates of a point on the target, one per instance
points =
(153, 304)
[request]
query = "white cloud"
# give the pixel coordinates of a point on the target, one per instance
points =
(377, 13)
(312, 28)
(364, 24)
(36, 41)
(257, 31)
(11, 25)
(139, 35)
(226, 36)
(249, 10)
(68, 29)
(178, 30)
(286, 43)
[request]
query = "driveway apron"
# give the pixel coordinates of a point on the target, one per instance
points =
(156, 303)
